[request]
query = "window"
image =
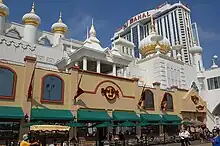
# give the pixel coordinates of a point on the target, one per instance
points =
(8, 82)
(52, 89)
(149, 99)
(45, 42)
(213, 83)
(169, 100)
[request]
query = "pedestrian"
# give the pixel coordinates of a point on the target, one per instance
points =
(186, 137)
(216, 139)
(25, 141)
(181, 135)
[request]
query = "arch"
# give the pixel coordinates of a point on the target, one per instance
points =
(13, 33)
(169, 100)
(105, 81)
(216, 110)
(52, 89)
(148, 100)
(8, 82)
(45, 41)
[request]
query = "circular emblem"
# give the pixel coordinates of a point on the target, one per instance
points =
(110, 93)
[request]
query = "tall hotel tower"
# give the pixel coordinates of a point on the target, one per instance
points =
(172, 21)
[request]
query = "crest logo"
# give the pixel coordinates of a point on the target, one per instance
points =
(110, 93)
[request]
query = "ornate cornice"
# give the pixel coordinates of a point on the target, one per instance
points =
(17, 44)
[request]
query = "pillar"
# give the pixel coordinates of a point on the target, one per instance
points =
(98, 66)
(84, 63)
(114, 71)
(125, 72)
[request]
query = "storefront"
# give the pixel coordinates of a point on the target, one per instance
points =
(10, 118)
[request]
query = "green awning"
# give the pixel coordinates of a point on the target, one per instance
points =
(92, 115)
(125, 116)
(75, 124)
(151, 117)
(7, 112)
(51, 114)
(127, 124)
(171, 118)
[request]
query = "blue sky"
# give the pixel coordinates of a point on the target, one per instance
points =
(111, 14)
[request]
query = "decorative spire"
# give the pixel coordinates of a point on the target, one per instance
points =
(32, 8)
(92, 32)
(87, 32)
(214, 65)
(60, 19)
(152, 23)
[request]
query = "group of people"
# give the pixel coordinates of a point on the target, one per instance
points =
(184, 137)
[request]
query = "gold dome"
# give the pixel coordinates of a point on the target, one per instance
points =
(147, 46)
(31, 18)
(4, 10)
(59, 27)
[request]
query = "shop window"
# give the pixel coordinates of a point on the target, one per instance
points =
(149, 100)
(169, 100)
(52, 89)
(8, 82)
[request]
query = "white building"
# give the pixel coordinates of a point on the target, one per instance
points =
(55, 52)
(171, 21)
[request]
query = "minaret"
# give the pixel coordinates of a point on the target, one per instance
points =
(59, 30)
(31, 23)
(196, 51)
(4, 11)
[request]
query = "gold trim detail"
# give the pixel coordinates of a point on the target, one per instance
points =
(149, 49)
(31, 22)
(3, 13)
(59, 30)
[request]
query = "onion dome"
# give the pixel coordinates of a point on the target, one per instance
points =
(148, 44)
(4, 10)
(195, 49)
(59, 27)
(31, 18)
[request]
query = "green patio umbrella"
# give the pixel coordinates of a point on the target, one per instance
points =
(105, 124)
(142, 124)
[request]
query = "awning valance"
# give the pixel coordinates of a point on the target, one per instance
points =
(51, 114)
(49, 128)
(151, 117)
(92, 115)
(7, 112)
(125, 116)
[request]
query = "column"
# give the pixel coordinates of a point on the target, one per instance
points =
(125, 72)
(114, 70)
(84, 63)
(98, 66)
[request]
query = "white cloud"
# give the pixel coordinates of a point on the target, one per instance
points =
(78, 24)
(208, 35)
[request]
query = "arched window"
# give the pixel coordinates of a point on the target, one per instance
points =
(13, 33)
(149, 99)
(169, 100)
(45, 42)
(7, 82)
(52, 89)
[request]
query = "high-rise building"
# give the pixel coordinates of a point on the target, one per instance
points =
(172, 21)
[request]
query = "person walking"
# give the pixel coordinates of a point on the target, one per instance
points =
(25, 141)
(216, 139)
(186, 137)
(181, 135)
